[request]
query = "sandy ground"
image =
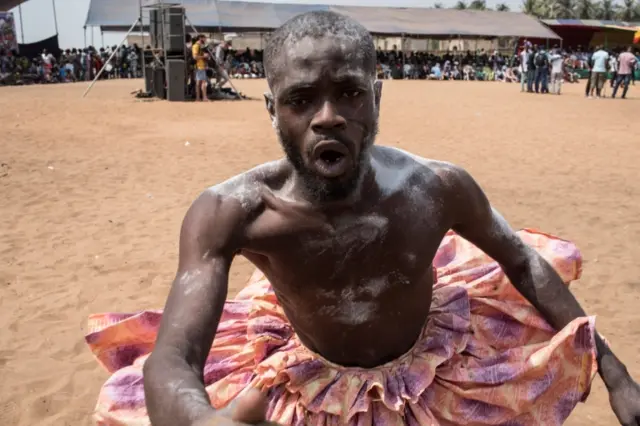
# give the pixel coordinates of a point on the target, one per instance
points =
(93, 192)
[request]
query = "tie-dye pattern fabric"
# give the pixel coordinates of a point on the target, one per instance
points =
(485, 356)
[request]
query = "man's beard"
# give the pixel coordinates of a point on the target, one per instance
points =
(326, 189)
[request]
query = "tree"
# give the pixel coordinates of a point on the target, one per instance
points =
(532, 7)
(562, 9)
(461, 5)
(502, 7)
(437, 6)
(585, 9)
(478, 5)
(629, 11)
(606, 10)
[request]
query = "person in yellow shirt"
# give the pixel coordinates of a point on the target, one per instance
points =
(201, 68)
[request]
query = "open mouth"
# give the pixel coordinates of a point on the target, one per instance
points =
(331, 158)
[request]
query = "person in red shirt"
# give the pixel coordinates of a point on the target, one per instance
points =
(626, 64)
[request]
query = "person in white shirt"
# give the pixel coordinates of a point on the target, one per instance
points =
(613, 66)
(557, 70)
(47, 62)
(524, 65)
(222, 72)
(599, 71)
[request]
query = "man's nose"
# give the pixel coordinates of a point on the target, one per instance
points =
(328, 117)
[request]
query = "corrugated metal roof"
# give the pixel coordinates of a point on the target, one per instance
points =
(250, 16)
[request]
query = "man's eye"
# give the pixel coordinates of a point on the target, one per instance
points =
(351, 93)
(298, 101)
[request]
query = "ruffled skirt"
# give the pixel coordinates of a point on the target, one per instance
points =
(485, 356)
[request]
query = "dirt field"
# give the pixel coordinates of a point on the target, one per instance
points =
(93, 192)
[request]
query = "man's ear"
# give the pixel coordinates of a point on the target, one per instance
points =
(270, 105)
(377, 93)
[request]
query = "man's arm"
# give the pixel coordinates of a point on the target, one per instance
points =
(173, 374)
(533, 277)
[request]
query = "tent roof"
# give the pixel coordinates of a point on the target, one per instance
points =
(209, 15)
(592, 23)
(7, 5)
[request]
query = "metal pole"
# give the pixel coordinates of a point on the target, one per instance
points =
(110, 57)
(21, 24)
(85, 36)
(102, 36)
(92, 31)
(55, 16)
(402, 53)
(142, 62)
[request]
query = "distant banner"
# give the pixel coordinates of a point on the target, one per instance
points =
(8, 38)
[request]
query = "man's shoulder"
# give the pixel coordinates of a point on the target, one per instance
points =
(247, 188)
(232, 204)
(400, 158)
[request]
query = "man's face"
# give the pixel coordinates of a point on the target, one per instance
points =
(324, 106)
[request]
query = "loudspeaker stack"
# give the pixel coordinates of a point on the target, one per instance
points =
(166, 26)
(173, 32)
(167, 30)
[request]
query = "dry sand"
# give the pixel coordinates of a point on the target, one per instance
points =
(93, 192)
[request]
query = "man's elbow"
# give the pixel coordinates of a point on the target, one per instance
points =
(149, 371)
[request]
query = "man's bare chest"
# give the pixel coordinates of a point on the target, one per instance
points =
(364, 247)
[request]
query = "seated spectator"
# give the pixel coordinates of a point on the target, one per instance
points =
(436, 73)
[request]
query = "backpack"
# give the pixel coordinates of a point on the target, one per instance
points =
(541, 60)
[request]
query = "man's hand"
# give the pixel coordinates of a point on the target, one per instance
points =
(625, 401)
(247, 409)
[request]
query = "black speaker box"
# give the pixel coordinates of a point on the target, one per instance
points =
(148, 79)
(158, 83)
(176, 80)
(173, 31)
(155, 28)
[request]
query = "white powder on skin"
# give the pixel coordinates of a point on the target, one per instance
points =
(247, 187)
(190, 281)
(350, 311)
(376, 286)
(353, 305)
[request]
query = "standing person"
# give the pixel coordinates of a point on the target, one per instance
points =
(47, 62)
(133, 63)
(587, 90)
(222, 50)
(637, 68)
(557, 70)
(613, 67)
(626, 67)
(542, 71)
(222, 67)
(374, 302)
(524, 65)
(599, 60)
(201, 68)
(531, 67)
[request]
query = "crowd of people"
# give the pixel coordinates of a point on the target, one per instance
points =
(536, 69)
(70, 65)
(544, 72)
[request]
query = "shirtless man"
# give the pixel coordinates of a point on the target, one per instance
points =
(346, 232)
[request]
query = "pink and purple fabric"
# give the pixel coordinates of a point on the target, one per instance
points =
(485, 356)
